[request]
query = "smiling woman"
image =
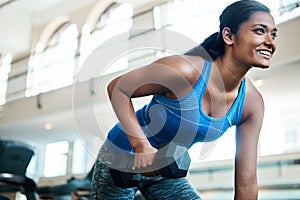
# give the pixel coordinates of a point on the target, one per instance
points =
(255, 40)
(197, 96)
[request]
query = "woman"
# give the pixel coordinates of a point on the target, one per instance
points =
(195, 99)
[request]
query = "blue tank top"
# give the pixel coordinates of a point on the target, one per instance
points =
(181, 120)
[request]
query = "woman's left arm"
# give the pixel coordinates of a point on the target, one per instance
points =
(247, 135)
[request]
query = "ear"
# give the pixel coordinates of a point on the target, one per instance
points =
(227, 36)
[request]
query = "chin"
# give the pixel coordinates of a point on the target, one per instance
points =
(263, 65)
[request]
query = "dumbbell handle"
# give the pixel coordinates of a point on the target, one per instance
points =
(171, 161)
(151, 174)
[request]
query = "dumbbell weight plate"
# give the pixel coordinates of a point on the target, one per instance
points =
(174, 160)
(122, 173)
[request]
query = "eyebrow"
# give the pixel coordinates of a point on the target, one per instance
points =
(265, 26)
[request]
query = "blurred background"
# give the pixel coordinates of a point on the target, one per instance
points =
(48, 102)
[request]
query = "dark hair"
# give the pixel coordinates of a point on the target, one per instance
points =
(232, 17)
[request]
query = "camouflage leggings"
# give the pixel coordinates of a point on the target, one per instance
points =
(151, 187)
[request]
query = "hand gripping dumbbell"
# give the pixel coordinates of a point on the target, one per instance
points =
(171, 161)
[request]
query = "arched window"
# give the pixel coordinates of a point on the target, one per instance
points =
(116, 19)
(53, 67)
(5, 67)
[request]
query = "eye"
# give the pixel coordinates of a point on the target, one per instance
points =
(259, 30)
(274, 35)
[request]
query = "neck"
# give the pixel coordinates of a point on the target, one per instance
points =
(227, 74)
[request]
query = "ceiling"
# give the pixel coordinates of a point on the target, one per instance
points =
(17, 17)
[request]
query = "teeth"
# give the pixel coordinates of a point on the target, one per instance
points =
(267, 53)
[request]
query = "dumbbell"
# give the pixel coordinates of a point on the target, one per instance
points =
(171, 161)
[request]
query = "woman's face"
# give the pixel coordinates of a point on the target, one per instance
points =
(254, 44)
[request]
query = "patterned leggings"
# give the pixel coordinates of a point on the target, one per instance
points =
(151, 187)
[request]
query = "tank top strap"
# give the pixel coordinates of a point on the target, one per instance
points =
(203, 79)
(235, 115)
(206, 70)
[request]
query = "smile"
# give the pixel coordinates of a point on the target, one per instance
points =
(265, 53)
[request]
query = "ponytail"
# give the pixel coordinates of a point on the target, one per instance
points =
(212, 47)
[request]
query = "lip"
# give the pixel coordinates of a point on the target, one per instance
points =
(265, 53)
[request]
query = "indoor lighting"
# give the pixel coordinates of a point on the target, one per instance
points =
(48, 126)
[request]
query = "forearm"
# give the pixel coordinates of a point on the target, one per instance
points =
(122, 104)
(124, 110)
(246, 159)
(246, 192)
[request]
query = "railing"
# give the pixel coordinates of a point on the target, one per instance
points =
(278, 178)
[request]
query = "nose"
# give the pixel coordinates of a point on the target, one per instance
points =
(270, 42)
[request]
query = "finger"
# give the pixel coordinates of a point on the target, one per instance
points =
(137, 163)
(144, 163)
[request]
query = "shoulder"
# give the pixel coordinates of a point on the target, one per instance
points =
(254, 103)
(189, 67)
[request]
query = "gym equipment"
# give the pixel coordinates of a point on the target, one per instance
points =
(14, 159)
(64, 191)
(3, 197)
(171, 161)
